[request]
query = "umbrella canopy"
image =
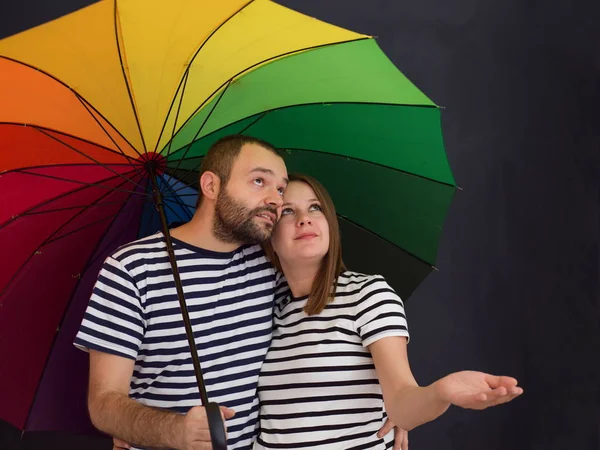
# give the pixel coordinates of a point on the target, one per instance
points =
(106, 106)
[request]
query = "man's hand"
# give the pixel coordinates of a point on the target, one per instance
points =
(195, 433)
(400, 437)
(476, 390)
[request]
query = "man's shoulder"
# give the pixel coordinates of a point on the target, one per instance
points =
(254, 259)
(139, 248)
(253, 250)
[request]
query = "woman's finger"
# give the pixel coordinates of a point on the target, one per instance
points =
(399, 439)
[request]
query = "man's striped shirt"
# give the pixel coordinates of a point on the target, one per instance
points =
(134, 313)
(318, 387)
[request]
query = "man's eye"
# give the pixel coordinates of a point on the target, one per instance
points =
(259, 181)
(315, 207)
(287, 211)
(281, 191)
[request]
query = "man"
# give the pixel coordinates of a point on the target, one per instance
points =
(142, 385)
(141, 374)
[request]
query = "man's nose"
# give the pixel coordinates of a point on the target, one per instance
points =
(274, 199)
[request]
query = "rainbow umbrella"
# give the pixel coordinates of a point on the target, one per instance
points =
(109, 110)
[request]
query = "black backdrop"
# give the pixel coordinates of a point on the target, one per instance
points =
(518, 289)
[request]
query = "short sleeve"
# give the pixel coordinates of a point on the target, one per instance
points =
(379, 312)
(113, 321)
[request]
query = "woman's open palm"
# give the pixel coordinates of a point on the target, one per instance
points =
(477, 390)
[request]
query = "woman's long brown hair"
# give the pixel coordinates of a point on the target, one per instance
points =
(325, 283)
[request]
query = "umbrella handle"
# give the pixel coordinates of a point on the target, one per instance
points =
(216, 426)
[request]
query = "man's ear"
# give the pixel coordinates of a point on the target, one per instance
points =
(210, 184)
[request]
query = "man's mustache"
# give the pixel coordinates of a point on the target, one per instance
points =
(265, 209)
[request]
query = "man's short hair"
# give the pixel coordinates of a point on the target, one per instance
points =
(222, 154)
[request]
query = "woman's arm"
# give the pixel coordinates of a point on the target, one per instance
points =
(408, 405)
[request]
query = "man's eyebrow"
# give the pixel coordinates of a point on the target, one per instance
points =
(262, 170)
(269, 172)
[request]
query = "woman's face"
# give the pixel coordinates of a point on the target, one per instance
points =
(302, 233)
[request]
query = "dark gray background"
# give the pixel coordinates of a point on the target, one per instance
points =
(518, 289)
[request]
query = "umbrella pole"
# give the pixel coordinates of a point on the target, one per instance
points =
(213, 412)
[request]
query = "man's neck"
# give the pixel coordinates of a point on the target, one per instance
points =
(198, 232)
(300, 276)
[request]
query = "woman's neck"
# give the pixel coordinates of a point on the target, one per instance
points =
(300, 276)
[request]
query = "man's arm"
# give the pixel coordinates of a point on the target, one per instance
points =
(114, 413)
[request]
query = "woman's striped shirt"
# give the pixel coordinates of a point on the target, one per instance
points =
(318, 387)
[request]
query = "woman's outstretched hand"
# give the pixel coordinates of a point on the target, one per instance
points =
(477, 390)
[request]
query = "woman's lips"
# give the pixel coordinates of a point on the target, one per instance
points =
(305, 236)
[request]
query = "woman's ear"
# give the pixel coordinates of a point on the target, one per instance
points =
(210, 184)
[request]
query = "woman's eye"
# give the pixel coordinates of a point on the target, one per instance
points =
(315, 207)
(259, 181)
(287, 211)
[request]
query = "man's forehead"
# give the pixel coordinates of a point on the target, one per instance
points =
(250, 151)
(253, 156)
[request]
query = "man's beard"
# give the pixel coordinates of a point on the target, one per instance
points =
(234, 222)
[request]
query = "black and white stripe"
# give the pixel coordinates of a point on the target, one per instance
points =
(134, 312)
(318, 387)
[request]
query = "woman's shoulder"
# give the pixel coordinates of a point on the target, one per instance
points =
(350, 281)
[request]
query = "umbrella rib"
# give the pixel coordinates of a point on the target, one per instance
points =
(194, 169)
(261, 116)
(48, 239)
(227, 82)
(101, 147)
(68, 87)
(47, 202)
(147, 205)
(135, 112)
(181, 219)
(186, 73)
(189, 146)
(84, 103)
(52, 177)
(38, 213)
(176, 191)
(185, 195)
(339, 156)
(87, 156)
(68, 305)
(281, 108)
(80, 228)
(47, 166)
(346, 219)
(185, 78)
(181, 180)
(110, 244)
(177, 200)
(370, 162)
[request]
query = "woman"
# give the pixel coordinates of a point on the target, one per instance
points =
(338, 362)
